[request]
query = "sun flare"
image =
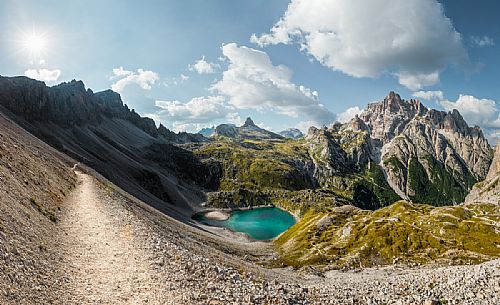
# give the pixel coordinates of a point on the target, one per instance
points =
(35, 44)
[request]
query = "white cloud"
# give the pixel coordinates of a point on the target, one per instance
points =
(481, 112)
(175, 81)
(202, 66)
(416, 81)
(45, 75)
(429, 95)
(410, 39)
(348, 114)
(235, 118)
(199, 112)
(251, 81)
(142, 78)
(304, 125)
(118, 72)
(483, 41)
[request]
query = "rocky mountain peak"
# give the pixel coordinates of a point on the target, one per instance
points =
(291, 133)
(109, 97)
(68, 104)
(226, 130)
(393, 97)
(357, 124)
(73, 86)
(249, 123)
(389, 117)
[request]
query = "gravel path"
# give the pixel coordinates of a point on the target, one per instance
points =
(119, 252)
(106, 265)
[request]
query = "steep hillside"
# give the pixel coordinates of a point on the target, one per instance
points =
(34, 180)
(488, 191)
(98, 130)
(395, 149)
(428, 156)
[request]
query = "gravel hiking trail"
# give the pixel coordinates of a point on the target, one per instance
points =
(103, 260)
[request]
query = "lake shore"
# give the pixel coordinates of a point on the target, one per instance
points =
(217, 215)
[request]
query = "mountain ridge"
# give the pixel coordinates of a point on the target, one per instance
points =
(406, 134)
(247, 131)
(424, 155)
(98, 130)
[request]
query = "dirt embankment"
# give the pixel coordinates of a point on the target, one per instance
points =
(34, 180)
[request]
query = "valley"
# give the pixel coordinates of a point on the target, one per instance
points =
(399, 200)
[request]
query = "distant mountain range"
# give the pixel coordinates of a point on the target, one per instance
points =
(394, 154)
(292, 133)
(247, 131)
(227, 130)
(207, 132)
(422, 155)
(401, 149)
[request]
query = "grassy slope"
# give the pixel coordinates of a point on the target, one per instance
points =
(260, 165)
(400, 232)
(260, 172)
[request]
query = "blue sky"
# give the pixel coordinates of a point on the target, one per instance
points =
(192, 63)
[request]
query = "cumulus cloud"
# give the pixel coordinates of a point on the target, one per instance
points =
(304, 125)
(412, 39)
(483, 41)
(175, 81)
(202, 66)
(44, 75)
(416, 81)
(348, 114)
(251, 81)
(142, 78)
(199, 112)
(429, 95)
(481, 112)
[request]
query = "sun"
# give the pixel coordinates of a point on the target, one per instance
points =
(34, 44)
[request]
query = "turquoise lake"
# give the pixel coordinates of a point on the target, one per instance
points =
(258, 223)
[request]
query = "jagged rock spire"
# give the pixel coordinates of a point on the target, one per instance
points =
(249, 122)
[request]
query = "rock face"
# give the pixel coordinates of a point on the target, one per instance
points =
(495, 164)
(389, 118)
(248, 131)
(488, 191)
(99, 130)
(207, 132)
(427, 156)
(329, 158)
(70, 104)
(249, 123)
(291, 133)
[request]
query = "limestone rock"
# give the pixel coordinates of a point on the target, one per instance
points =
(428, 156)
(291, 133)
(488, 191)
(247, 131)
